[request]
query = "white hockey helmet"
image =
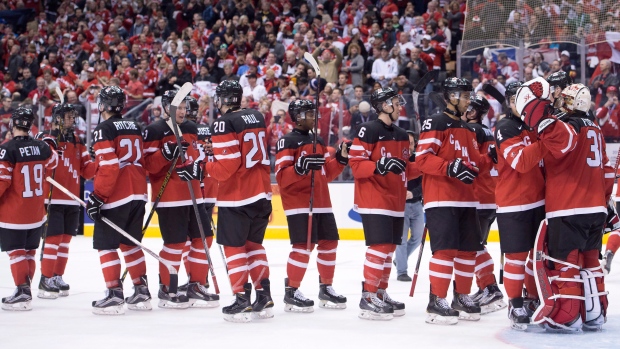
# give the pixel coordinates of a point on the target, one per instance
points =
(577, 97)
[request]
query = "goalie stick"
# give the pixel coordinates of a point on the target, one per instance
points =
(315, 66)
(174, 278)
(545, 292)
(417, 265)
(178, 98)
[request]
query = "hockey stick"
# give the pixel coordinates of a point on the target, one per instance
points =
(174, 278)
(155, 204)
(545, 292)
(180, 96)
(419, 88)
(501, 269)
(47, 217)
(493, 92)
(417, 265)
(315, 66)
(437, 99)
(214, 228)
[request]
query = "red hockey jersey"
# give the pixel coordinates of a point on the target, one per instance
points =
(374, 193)
(23, 161)
(484, 185)
(295, 188)
(209, 184)
(241, 163)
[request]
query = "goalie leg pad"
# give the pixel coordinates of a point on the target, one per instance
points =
(596, 302)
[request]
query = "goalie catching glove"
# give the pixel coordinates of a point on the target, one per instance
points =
(394, 165)
(533, 104)
(190, 170)
(462, 170)
(309, 162)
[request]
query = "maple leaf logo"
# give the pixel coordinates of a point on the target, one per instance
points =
(537, 89)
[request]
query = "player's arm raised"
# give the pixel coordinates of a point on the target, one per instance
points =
(226, 151)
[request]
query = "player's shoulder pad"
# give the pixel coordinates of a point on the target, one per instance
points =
(508, 128)
(368, 131)
(291, 141)
(189, 127)
(581, 122)
(46, 151)
(241, 120)
(400, 134)
(156, 131)
(204, 131)
(109, 129)
(438, 122)
(8, 151)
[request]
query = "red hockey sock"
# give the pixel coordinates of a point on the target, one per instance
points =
(237, 264)
(184, 255)
(32, 264)
(326, 260)
(440, 271)
(514, 274)
(19, 266)
(297, 264)
(110, 266)
(566, 309)
(613, 242)
(198, 264)
(530, 280)
(171, 253)
(63, 255)
(257, 263)
(50, 251)
(387, 269)
(484, 269)
(134, 261)
(374, 265)
(464, 266)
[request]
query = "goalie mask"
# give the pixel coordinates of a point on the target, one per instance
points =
(576, 98)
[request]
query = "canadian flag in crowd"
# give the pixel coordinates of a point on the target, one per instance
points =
(613, 38)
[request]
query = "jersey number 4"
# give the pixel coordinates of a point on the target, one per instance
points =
(258, 141)
(37, 176)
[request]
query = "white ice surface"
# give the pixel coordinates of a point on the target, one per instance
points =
(68, 322)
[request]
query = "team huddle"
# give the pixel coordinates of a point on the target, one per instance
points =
(522, 174)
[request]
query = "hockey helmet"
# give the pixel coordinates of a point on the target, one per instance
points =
(385, 95)
(191, 108)
(59, 111)
(511, 90)
(559, 79)
(111, 99)
(22, 118)
(302, 109)
(480, 105)
(577, 98)
(455, 85)
(228, 92)
(166, 99)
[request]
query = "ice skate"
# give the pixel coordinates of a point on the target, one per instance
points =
(20, 299)
(595, 325)
(519, 318)
(399, 308)
(141, 298)
(170, 300)
(241, 309)
(183, 288)
(262, 308)
(47, 288)
(63, 287)
(199, 296)
(491, 300)
(439, 312)
(607, 258)
(573, 326)
(329, 299)
(468, 309)
(112, 303)
(295, 301)
(373, 308)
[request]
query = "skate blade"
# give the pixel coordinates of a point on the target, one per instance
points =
(140, 306)
(370, 315)
(399, 312)
(47, 295)
(63, 293)
(21, 306)
(266, 313)
(113, 310)
(331, 305)
(164, 304)
(200, 303)
(289, 308)
(492, 307)
(436, 319)
(519, 327)
(469, 316)
(239, 317)
(564, 330)
(592, 328)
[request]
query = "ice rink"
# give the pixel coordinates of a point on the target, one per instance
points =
(68, 322)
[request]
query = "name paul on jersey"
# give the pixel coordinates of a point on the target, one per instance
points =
(250, 119)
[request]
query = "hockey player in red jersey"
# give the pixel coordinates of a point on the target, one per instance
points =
(489, 296)
(241, 167)
(379, 158)
(64, 213)
(449, 157)
(575, 207)
(23, 161)
(612, 226)
(177, 219)
(119, 194)
(520, 197)
(294, 162)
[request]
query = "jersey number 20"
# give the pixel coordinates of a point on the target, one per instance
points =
(257, 141)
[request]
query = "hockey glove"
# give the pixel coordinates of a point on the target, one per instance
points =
(462, 170)
(341, 159)
(170, 150)
(613, 222)
(394, 165)
(91, 152)
(538, 115)
(190, 170)
(50, 140)
(93, 207)
(492, 153)
(309, 162)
